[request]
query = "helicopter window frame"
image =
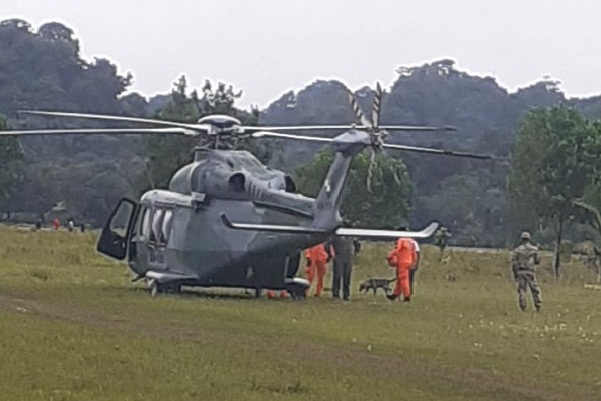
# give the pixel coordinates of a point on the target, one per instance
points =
(155, 225)
(145, 222)
(166, 224)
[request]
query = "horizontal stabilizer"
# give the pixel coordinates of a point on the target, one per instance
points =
(387, 234)
(269, 227)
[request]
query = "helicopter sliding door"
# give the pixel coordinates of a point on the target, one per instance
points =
(117, 230)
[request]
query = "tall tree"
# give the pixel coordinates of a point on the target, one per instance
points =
(388, 203)
(555, 159)
(11, 167)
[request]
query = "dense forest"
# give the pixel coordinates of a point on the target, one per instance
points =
(84, 176)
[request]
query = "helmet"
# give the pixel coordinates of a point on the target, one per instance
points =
(525, 235)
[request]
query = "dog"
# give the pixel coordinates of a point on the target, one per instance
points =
(375, 283)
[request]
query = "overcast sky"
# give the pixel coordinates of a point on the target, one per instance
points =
(267, 47)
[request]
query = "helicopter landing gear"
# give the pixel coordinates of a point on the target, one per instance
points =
(297, 294)
(154, 287)
(297, 288)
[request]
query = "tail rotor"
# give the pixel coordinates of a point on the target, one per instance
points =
(376, 134)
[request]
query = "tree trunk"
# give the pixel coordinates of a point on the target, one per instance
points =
(557, 245)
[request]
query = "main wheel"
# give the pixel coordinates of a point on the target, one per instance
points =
(153, 288)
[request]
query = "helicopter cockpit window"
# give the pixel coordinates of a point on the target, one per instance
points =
(166, 226)
(155, 232)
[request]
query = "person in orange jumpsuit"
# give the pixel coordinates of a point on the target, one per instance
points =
(56, 224)
(317, 259)
(403, 257)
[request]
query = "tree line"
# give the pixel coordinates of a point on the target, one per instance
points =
(482, 203)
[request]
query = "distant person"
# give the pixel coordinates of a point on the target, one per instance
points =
(356, 246)
(71, 225)
(38, 225)
(82, 227)
(441, 238)
(342, 249)
(523, 261)
(413, 270)
(56, 224)
(403, 257)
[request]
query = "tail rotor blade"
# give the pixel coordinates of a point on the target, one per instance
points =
(377, 106)
(357, 109)
(370, 169)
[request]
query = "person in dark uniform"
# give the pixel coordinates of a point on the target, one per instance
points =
(342, 248)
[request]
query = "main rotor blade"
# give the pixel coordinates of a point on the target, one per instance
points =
(197, 127)
(386, 145)
(249, 129)
(262, 134)
(180, 131)
(416, 128)
(441, 152)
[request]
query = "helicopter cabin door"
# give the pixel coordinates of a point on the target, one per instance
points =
(160, 227)
(117, 230)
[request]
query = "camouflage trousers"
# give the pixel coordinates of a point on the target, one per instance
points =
(525, 280)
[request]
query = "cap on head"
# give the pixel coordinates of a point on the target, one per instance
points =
(525, 236)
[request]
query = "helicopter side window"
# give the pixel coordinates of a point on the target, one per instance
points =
(144, 222)
(166, 226)
(155, 232)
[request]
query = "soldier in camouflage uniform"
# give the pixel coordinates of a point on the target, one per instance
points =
(523, 260)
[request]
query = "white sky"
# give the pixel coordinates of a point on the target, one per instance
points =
(267, 47)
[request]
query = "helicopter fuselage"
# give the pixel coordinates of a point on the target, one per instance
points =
(177, 235)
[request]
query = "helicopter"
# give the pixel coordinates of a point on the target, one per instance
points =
(227, 220)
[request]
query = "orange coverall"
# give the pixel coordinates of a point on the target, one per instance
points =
(317, 258)
(403, 257)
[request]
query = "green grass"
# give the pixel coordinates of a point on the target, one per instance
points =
(73, 327)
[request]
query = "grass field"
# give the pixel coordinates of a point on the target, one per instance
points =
(73, 327)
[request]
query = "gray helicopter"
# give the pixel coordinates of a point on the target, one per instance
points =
(227, 220)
